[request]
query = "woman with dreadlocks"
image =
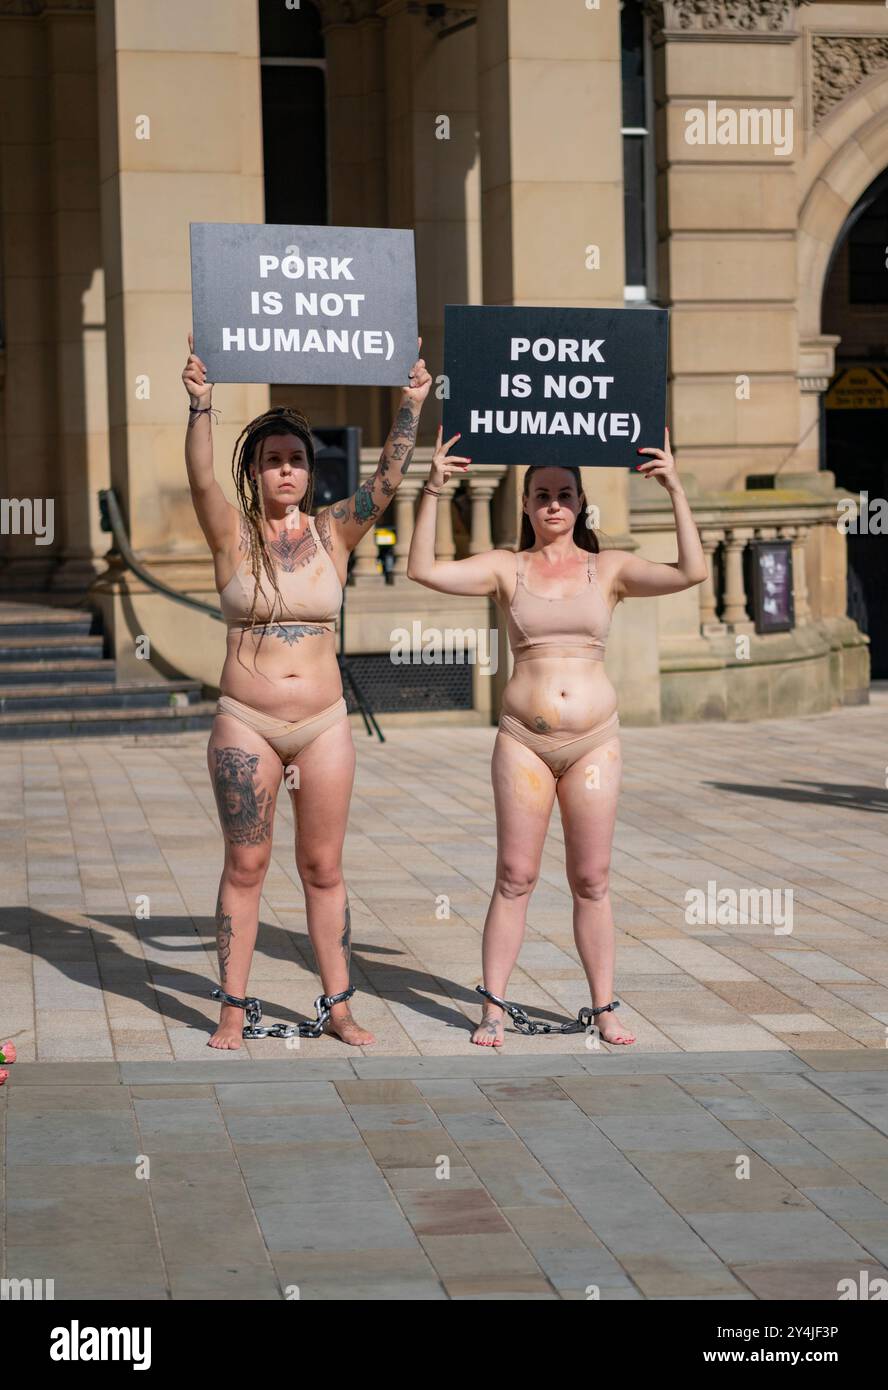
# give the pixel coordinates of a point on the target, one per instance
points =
(280, 573)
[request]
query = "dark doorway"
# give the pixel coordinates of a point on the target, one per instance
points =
(855, 306)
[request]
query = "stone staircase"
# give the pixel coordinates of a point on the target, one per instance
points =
(55, 682)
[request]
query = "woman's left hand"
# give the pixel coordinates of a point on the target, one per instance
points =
(661, 466)
(419, 381)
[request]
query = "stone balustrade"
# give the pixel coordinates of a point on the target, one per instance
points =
(805, 513)
(712, 663)
(481, 482)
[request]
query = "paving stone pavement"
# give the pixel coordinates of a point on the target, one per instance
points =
(96, 835)
(732, 1175)
(738, 1151)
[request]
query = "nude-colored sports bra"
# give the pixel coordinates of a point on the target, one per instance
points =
(311, 594)
(573, 626)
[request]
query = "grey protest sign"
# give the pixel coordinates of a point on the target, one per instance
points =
(326, 305)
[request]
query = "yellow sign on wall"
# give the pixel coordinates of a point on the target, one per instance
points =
(859, 388)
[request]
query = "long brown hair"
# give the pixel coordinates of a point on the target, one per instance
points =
(247, 450)
(584, 536)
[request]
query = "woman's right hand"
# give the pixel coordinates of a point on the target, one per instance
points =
(444, 464)
(194, 377)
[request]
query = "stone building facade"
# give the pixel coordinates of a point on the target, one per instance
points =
(566, 172)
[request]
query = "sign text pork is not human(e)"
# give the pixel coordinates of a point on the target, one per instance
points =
(287, 304)
(540, 385)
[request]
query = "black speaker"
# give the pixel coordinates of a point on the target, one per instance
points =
(337, 463)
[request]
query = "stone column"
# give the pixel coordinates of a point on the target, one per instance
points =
(735, 614)
(79, 292)
(433, 160)
(354, 46)
(798, 535)
(405, 510)
(709, 625)
(728, 232)
(30, 387)
(549, 103)
(817, 365)
(180, 141)
(481, 490)
(366, 556)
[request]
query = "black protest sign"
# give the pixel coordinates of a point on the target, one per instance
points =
(322, 305)
(579, 386)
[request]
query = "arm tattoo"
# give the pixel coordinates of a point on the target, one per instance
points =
(322, 526)
(404, 431)
(244, 808)
(405, 424)
(365, 506)
(398, 450)
(224, 934)
(403, 454)
(345, 939)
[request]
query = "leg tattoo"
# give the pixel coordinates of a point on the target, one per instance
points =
(345, 939)
(244, 811)
(224, 934)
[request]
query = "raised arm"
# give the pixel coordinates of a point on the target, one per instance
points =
(219, 520)
(635, 577)
(348, 521)
(477, 574)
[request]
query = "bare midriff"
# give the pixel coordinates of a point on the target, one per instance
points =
(287, 670)
(559, 692)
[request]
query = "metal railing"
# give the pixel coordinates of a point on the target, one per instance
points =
(112, 521)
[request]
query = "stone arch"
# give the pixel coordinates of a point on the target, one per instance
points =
(845, 154)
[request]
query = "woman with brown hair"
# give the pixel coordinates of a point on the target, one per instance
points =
(280, 574)
(559, 728)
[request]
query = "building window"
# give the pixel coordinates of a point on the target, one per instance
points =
(294, 122)
(638, 154)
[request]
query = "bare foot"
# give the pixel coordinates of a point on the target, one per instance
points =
(230, 1032)
(490, 1030)
(8, 1052)
(342, 1026)
(612, 1030)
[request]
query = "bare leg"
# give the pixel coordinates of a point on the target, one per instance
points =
(587, 796)
(524, 794)
(326, 771)
(246, 774)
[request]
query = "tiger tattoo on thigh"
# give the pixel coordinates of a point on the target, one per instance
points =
(244, 809)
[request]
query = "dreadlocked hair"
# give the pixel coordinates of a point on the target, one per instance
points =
(283, 419)
(583, 536)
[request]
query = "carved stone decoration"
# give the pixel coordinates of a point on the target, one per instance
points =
(840, 63)
(722, 16)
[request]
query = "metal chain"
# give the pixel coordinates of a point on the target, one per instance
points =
(584, 1019)
(311, 1028)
